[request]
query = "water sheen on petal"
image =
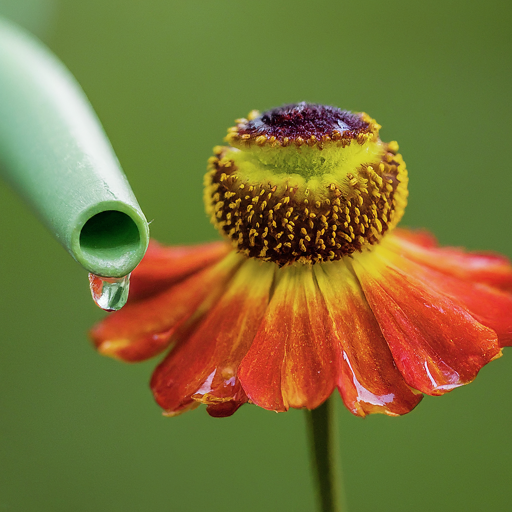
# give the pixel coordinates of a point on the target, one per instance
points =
(204, 367)
(435, 342)
(368, 379)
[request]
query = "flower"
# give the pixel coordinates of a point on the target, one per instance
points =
(314, 288)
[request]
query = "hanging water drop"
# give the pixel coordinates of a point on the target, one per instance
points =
(109, 293)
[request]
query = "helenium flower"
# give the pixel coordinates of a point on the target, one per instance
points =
(313, 288)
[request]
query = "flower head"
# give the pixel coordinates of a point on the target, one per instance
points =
(314, 288)
(305, 183)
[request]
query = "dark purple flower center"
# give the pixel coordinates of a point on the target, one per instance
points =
(303, 120)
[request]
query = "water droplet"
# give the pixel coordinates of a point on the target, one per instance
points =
(109, 293)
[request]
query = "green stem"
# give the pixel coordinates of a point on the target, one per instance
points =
(325, 458)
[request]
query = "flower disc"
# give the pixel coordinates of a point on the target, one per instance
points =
(305, 183)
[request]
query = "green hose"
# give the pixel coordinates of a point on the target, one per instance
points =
(54, 152)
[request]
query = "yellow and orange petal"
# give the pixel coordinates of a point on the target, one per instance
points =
(435, 342)
(146, 327)
(291, 362)
(367, 378)
(204, 365)
(382, 327)
(164, 266)
(481, 282)
(476, 267)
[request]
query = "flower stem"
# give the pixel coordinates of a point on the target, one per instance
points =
(325, 458)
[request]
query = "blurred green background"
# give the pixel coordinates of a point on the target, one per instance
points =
(79, 432)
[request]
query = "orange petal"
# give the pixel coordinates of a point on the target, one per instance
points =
(291, 362)
(222, 410)
(436, 344)
(488, 268)
(420, 237)
(204, 366)
(163, 266)
(368, 379)
(143, 329)
(489, 306)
